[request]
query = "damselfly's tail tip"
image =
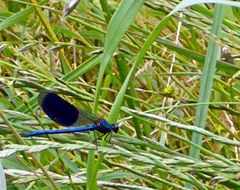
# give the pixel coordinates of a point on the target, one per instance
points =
(28, 134)
(24, 134)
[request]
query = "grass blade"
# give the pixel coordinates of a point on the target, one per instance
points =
(207, 81)
(118, 25)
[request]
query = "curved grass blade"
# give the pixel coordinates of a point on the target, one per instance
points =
(118, 25)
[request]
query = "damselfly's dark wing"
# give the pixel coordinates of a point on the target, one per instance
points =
(62, 112)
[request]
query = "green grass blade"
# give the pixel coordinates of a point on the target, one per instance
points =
(121, 20)
(118, 25)
(15, 18)
(207, 81)
(115, 110)
(91, 182)
(106, 10)
(112, 118)
(123, 70)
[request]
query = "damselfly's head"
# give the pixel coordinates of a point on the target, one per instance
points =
(115, 128)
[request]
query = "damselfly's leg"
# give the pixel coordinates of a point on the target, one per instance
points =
(105, 138)
(97, 138)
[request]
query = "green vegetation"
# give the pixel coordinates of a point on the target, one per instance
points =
(156, 71)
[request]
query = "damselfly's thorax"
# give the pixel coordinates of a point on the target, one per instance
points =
(104, 127)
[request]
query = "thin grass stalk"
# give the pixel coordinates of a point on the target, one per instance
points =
(167, 100)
